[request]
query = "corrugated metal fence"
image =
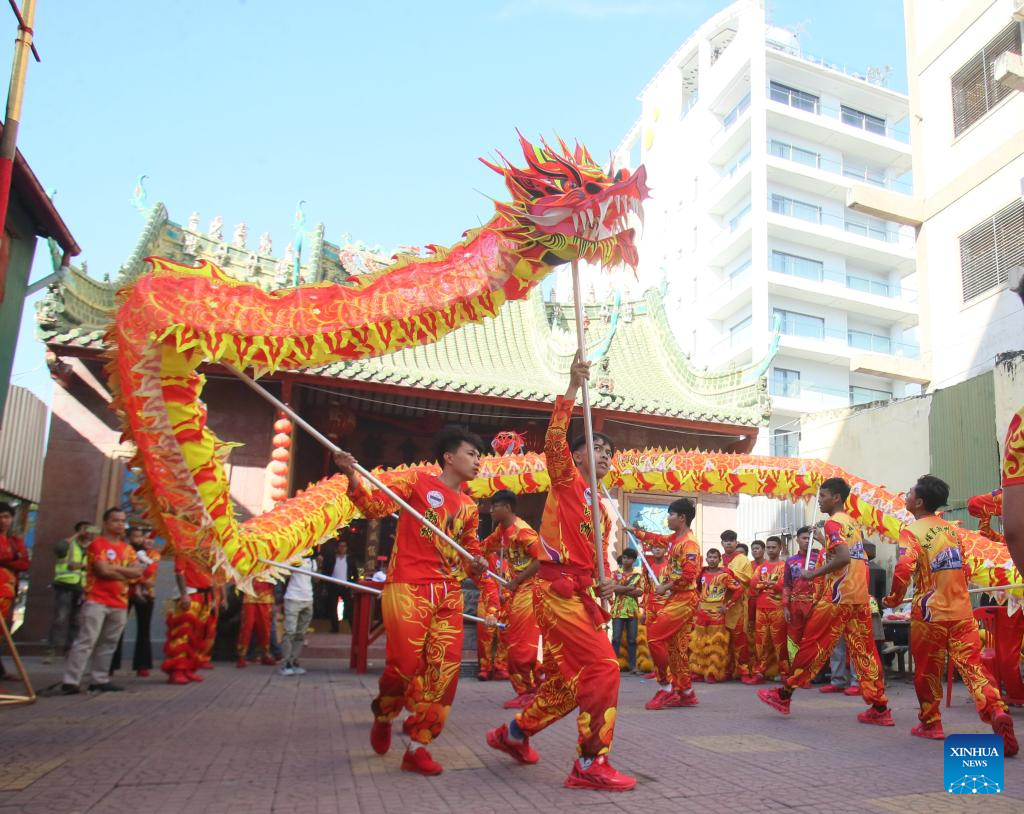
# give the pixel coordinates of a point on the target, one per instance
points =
(22, 445)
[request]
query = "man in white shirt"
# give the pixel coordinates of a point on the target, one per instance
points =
(298, 613)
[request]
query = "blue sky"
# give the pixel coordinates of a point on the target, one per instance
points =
(373, 113)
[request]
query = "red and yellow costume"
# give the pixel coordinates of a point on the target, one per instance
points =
(719, 589)
(844, 609)
(13, 561)
(491, 642)
(941, 619)
(652, 600)
(521, 546)
(188, 629)
(568, 614)
(770, 620)
(422, 599)
(985, 507)
(256, 608)
(799, 596)
(736, 616)
(1013, 452)
(669, 634)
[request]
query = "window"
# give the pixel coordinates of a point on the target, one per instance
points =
(793, 324)
(974, 88)
(736, 112)
(990, 249)
(796, 209)
(862, 172)
(791, 153)
(864, 121)
(740, 269)
(866, 395)
(785, 443)
(739, 334)
(796, 266)
(869, 286)
(799, 99)
(865, 340)
(785, 383)
(739, 218)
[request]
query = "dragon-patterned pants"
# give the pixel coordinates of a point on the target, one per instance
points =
(255, 619)
(799, 614)
(827, 623)
(522, 635)
(491, 647)
(585, 672)
(424, 652)
(929, 644)
(669, 639)
(770, 641)
(739, 645)
(186, 634)
(709, 651)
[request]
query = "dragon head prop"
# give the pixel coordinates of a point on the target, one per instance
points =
(508, 442)
(567, 204)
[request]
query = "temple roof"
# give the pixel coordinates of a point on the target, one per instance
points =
(524, 353)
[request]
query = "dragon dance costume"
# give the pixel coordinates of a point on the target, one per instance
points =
(709, 653)
(188, 629)
(770, 620)
(736, 616)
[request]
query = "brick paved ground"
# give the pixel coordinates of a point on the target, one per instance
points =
(253, 741)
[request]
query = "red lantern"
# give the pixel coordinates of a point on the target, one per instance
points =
(280, 454)
(278, 482)
(277, 495)
(279, 468)
(282, 440)
(283, 425)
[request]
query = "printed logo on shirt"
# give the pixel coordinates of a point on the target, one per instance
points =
(948, 560)
(110, 554)
(857, 551)
(435, 499)
(586, 495)
(973, 764)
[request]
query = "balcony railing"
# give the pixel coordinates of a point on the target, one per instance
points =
(730, 118)
(813, 329)
(816, 272)
(811, 104)
(812, 213)
(807, 158)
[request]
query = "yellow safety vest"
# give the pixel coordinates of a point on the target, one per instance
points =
(62, 572)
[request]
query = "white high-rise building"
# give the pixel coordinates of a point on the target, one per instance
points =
(751, 148)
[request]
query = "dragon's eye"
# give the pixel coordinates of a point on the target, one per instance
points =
(551, 190)
(592, 188)
(620, 176)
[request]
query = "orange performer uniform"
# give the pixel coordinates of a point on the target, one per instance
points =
(13, 561)
(709, 658)
(568, 614)
(491, 642)
(669, 634)
(799, 596)
(256, 609)
(985, 507)
(1011, 628)
(521, 546)
(844, 609)
(770, 620)
(736, 616)
(421, 603)
(941, 622)
(187, 628)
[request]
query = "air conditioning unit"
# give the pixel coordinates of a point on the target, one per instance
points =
(1018, 10)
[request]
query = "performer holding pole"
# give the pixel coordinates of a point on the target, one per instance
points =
(570, 619)
(422, 599)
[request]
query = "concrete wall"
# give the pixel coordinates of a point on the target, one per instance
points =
(1009, 391)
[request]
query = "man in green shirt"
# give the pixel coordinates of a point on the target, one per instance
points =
(625, 610)
(68, 584)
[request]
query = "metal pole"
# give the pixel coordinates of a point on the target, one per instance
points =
(588, 423)
(994, 589)
(636, 543)
(355, 586)
(15, 95)
(323, 439)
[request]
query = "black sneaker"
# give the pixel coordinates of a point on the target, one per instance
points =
(105, 688)
(69, 689)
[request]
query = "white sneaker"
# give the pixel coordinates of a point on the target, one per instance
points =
(299, 671)
(286, 670)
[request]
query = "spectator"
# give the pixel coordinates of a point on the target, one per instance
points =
(298, 613)
(13, 561)
(626, 606)
(141, 598)
(68, 583)
(112, 566)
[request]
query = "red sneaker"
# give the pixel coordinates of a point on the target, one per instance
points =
(599, 776)
(650, 676)
(206, 665)
(682, 699)
(851, 691)
(1002, 725)
(710, 680)
(757, 678)
(191, 676)
(658, 702)
(773, 698)
(521, 751)
(177, 677)
(420, 762)
(931, 731)
(142, 673)
(519, 702)
(483, 675)
(696, 677)
(268, 660)
(500, 675)
(240, 664)
(380, 737)
(873, 716)
(831, 688)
